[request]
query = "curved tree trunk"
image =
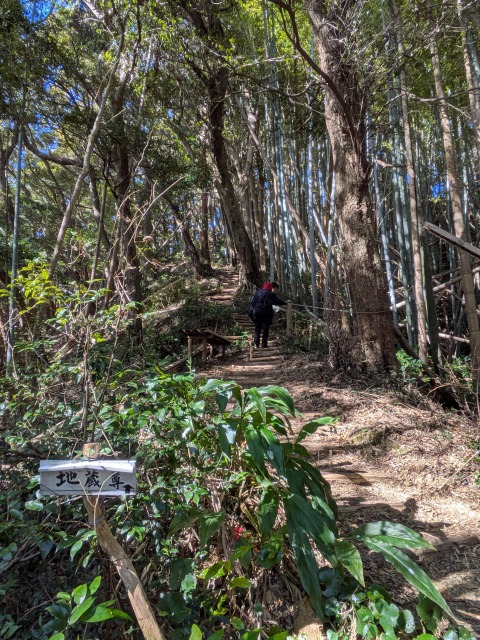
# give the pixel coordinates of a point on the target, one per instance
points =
(203, 269)
(217, 89)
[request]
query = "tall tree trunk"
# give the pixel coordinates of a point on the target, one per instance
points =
(472, 78)
(217, 88)
(92, 138)
(416, 214)
(12, 303)
(370, 340)
(202, 269)
(204, 248)
(122, 191)
(204, 19)
(5, 153)
(458, 222)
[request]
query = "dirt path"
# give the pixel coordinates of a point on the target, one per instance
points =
(389, 457)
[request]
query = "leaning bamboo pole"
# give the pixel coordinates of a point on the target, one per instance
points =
(458, 222)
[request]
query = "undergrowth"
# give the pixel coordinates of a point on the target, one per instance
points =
(226, 496)
(232, 523)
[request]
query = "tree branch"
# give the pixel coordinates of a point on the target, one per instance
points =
(295, 40)
(50, 157)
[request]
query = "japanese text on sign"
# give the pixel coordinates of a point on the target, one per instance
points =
(98, 477)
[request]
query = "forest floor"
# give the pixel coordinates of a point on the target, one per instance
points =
(393, 455)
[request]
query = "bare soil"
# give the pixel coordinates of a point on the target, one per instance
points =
(392, 455)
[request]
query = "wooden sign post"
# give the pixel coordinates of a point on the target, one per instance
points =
(94, 479)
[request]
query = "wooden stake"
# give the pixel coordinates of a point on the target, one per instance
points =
(128, 575)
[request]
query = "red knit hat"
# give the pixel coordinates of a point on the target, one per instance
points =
(267, 286)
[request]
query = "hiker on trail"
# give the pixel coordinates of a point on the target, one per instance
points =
(261, 312)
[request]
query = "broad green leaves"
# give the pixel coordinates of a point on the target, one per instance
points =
(391, 533)
(410, 571)
(349, 557)
(385, 538)
(80, 607)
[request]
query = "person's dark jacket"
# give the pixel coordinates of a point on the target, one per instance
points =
(264, 300)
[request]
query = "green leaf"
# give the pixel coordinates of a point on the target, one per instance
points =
(429, 612)
(60, 610)
(217, 570)
(227, 433)
(99, 615)
(240, 583)
(94, 585)
(311, 427)
(274, 450)
(183, 519)
(349, 557)
(57, 636)
(240, 551)
(75, 548)
(80, 609)
(365, 623)
(210, 523)
(425, 636)
(80, 593)
(63, 595)
(195, 633)
(465, 634)
(213, 384)
(217, 635)
(34, 505)
(317, 484)
(406, 621)
(222, 401)
(188, 583)
(282, 394)
(174, 605)
(307, 567)
(388, 616)
(391, 533)
(237, 623)
(179, 569)
(267, 510)
(257, 401)
(317, 522)
(410, 571)
(251, 635)
(283, 635)
(104, 613)
(256, 450)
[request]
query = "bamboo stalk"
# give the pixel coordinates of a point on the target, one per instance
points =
(289, 319)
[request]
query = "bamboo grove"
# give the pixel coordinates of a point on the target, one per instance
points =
(310, 143)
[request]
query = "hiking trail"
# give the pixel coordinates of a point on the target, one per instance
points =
(387, 458)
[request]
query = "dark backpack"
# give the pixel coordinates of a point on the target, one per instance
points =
(257, 308)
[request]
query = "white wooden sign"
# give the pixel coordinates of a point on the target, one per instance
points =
(87, 477)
